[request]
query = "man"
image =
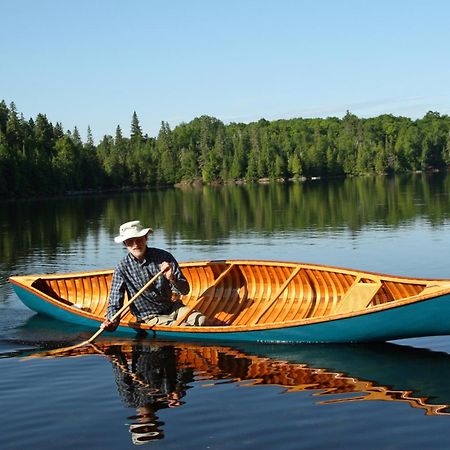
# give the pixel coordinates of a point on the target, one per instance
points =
(154, 306)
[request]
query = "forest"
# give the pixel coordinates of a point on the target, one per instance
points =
(38, 158)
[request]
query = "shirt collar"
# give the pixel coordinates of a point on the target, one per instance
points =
(145, 260)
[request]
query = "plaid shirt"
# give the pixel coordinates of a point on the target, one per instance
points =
(131, 275)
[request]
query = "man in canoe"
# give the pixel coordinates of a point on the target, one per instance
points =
(155, 305)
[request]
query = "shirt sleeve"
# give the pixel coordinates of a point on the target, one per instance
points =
(116, 294)
(180, 284)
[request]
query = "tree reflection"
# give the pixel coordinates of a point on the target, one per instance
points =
(212, 214)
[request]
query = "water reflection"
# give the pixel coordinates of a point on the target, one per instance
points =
(37, 235)
(210, 214)
(152, 375)
(148, 378)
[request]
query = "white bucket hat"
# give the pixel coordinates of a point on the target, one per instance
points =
(130, 230)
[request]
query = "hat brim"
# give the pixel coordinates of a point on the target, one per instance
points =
(143, 232)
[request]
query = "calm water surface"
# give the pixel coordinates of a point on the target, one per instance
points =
(122, 393)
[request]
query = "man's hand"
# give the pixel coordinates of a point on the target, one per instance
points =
(168, 273)
(109, 325)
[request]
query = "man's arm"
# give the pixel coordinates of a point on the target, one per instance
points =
(175, 276)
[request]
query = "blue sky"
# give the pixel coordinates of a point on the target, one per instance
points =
(94, 62)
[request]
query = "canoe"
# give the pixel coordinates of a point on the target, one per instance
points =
(263, 301)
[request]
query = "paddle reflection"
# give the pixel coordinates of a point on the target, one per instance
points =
(152, 375)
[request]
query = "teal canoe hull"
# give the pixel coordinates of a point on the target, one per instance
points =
(430, 317)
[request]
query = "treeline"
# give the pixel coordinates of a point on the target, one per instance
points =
(40, 158)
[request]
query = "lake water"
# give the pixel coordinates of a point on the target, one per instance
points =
(165, 394)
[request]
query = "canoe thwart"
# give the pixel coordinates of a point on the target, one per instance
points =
(191, 309)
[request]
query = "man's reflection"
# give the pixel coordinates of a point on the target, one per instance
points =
(148, 379)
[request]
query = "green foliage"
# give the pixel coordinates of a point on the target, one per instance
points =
(39, 158)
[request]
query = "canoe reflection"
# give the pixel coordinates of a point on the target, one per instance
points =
(152, 375)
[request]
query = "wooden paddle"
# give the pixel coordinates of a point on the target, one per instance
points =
(113, 318)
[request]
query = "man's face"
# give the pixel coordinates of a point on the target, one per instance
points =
(137, 247)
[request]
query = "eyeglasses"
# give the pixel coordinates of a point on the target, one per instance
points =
(132, 241)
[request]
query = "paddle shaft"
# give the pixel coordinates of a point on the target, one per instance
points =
(126, 306)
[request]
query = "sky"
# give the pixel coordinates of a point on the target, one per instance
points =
(94, 62)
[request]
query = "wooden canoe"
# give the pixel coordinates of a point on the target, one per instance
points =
(264, 301)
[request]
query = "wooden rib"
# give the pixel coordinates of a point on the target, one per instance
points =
(277, 295)
(227, 317)
(209, 296)
(93, 305)
(392, 288)
(54, 284)
(333, 291)
(196, 305)
(302, 295)
(252, 285)
(271, 279)
(79, 295)
(324, 298)
(97, 295)
(313, 298)
(67, 290)
(103, 298)
(341, 284)
(100, 297)
(288, 300)
(241, 298)
(259, 294)
(195, 282)
(212, 301)
(287, 306)
(214, 298)
(411, 289)
(305, 295)
(224, 308)
(414, 289)
(198, 281)
(282, 273)
(383, 295)
(71, 290)
(89, 293)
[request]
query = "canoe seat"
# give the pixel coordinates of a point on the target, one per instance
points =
(357, 297)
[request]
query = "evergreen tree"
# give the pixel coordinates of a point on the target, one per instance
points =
(89, 137)
(76, 138)
(188, 164)
(13, 129)
(4, 113)
(67, 164)
(136, 131)
(167, 157)
(295, 166)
